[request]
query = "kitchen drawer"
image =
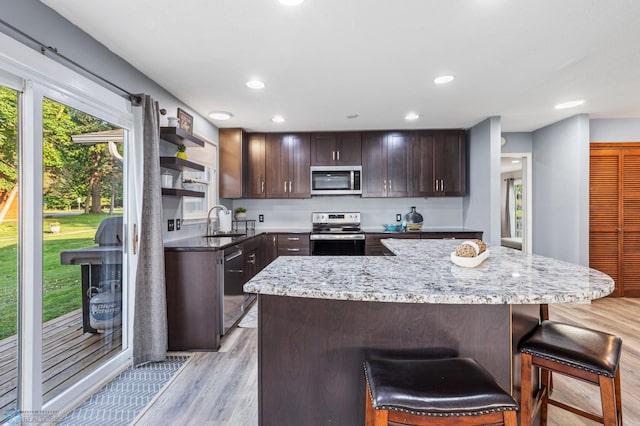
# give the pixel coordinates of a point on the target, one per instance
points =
(293, 244)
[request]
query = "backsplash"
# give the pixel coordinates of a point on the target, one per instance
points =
(438, 212)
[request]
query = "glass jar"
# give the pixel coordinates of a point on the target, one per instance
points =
(413, 216)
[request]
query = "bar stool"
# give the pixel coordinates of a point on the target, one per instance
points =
(577, 352)
(435, 392)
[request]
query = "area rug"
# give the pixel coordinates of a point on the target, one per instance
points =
(250, 320)
(120, 401)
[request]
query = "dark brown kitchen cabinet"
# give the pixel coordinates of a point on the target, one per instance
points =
(193, 300)
(288, 159)
(439, 163)
(293, 245)
(232, 161)
(336, 149)
(386, 165)
(269, 249)
(255, 183)
(242, 164)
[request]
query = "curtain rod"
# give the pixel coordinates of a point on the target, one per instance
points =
(136, 99)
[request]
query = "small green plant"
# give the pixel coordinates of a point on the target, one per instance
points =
(241, 210)
(182, 148)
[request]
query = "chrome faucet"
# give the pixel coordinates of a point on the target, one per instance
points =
(209, 222)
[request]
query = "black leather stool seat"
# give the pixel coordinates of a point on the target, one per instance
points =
(435, 387)
(577, 347)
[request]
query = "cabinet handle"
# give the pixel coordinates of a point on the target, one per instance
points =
(441, 184)
(262, 186)
(435, 185)
(285, 186)
(290, 190)
(293, 238)
(338, 155)
(390, 187)
(333, 155)
(293, 249)
(384, 186)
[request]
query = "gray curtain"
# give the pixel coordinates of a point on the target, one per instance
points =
(150, 318)
(506, 208)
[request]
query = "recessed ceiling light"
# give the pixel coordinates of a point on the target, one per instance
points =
(515, 161)
(443, 79)
(255, 84)
(411, 116)
(221, 115)
(278, 119)
(291, 2)
(570, 104)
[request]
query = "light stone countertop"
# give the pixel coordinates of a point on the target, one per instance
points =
(422, 272)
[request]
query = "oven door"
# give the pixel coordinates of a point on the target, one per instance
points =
(344, 245)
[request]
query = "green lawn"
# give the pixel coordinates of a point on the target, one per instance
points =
(62, 283)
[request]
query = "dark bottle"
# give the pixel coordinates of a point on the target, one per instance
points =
(413, 216)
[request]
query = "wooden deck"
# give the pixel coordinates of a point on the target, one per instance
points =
(68, 353)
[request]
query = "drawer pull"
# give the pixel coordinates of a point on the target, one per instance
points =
(293, 249)
(293, 238)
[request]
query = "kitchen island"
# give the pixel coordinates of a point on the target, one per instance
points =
(317, 316)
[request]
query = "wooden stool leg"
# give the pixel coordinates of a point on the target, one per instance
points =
(609, 403)
(510, 418)
(546, 380)
(374, 417)
(618, 396)
(526, 390)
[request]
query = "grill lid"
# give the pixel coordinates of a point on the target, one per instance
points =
(109, 232)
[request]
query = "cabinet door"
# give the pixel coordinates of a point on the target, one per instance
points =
(399, 178)
(277, 173)
(348, 148)
(424, 183)
(374, 164)
(323, 149)
(231, 162)
(299, 173)
(255, 183)
(451, 163)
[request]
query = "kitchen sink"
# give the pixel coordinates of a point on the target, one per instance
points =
(225, 234)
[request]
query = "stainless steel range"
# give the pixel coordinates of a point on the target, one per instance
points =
(336, 234)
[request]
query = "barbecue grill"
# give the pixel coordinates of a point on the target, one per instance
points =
(101, 269)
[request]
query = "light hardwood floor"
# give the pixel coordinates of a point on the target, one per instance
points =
(221, 388)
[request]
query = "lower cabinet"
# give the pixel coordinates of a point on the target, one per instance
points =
(293, 245)
(193, 300)
(374, 247)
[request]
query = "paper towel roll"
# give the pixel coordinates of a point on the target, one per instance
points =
(225, 221)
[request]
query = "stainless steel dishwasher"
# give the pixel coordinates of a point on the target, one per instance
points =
(233, 299)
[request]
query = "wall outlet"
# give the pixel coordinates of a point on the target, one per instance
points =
(170, 225)
(260, 218)
(398, 217)
(178, 221)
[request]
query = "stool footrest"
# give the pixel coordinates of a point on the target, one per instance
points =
(576, 410)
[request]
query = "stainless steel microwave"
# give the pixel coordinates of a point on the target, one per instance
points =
(336, 180)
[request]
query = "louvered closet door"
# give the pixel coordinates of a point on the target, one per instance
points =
(605, 243)
(631, 222)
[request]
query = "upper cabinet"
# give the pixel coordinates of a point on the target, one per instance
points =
(255, 184)
(336, 149)
(386, 165)
(288, 159)
(232, 160)
(439, 163)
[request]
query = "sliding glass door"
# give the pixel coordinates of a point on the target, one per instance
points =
(9, 223)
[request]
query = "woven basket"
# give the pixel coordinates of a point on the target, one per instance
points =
(414, 227)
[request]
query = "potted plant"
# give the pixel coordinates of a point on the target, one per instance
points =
(54, 227)
(182, 152)
(241, 213)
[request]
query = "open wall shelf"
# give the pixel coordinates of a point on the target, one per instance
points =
(177, 136)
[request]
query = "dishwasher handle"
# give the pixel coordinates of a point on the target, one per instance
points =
(229, 257)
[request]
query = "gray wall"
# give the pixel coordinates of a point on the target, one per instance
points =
(614, 130)
(561, 190)
(51, 29)
(438, 212)
(481, 205)
(517, 142)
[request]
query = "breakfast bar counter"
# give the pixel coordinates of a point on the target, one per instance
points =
(318, 316)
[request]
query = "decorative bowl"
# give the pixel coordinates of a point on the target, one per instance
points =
(391, 228)
(469, 262)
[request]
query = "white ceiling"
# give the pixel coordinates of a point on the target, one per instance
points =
(327, 59)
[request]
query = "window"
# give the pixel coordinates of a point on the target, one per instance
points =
(197, 208)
